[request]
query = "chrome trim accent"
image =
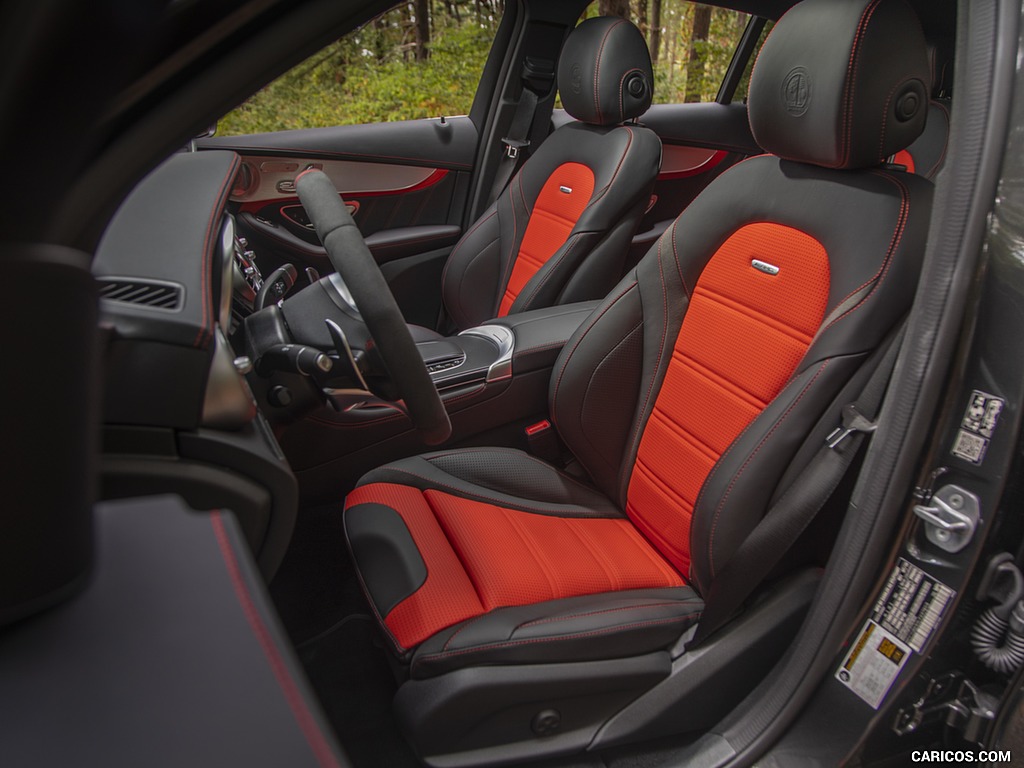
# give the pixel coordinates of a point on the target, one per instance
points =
(764, 266)
(505, 341)
(343, 292)
(228, 402)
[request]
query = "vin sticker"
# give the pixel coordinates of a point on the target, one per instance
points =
(911, 604)
(977, 426)
(873, 663)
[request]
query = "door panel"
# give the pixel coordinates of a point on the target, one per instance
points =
(405, 184)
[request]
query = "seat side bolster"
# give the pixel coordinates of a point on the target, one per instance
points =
(601, 626)
(385, 553)
(501, 476)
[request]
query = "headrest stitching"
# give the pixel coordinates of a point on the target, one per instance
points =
(597, 68)
(850, 85)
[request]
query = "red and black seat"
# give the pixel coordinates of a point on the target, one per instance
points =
(560, 230)
(687, 393)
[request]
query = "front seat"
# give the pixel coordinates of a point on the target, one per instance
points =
(685, 396)
(560, 230)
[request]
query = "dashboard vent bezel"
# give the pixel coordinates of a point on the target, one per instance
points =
(160, 295)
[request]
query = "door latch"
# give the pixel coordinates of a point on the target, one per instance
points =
(950, 517)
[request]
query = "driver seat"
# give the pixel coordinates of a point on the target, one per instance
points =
(560, 231)
(685, 397)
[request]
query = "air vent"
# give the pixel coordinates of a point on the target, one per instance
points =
(145, 293)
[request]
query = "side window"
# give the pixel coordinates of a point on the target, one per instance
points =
(420, 59)
(692, 44)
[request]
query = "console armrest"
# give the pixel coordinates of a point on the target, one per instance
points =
(541, 333)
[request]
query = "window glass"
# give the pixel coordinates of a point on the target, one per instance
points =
(420, 59)
(691, 43)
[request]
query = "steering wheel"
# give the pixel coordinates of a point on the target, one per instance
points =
(353, 261)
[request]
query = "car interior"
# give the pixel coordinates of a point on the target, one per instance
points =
(499, 425)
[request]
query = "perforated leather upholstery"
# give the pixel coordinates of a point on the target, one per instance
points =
(685, 396)
(560, 231)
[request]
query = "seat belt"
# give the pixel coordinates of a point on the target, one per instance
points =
(790, 515)
(538, 75)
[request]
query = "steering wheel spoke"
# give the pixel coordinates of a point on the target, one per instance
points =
(358, 269)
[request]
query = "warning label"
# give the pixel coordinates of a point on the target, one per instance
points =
(911, 604)
(977, 426)
(873, 663)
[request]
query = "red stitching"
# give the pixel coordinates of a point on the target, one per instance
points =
(500, 502)
(635, 437)
(533, 641)
(215, 216)
(897, 237)
(597, 69)
(851, 83)
(561, 372)
(553, 619)
(735, 478)
(307, 724)
(618, 167)
(451, 256)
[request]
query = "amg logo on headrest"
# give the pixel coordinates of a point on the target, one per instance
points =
(796, 91)
(764, 266)
(576, 78)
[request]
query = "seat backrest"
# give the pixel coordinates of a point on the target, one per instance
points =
(693, 385)
(927, 154)
(560, 231)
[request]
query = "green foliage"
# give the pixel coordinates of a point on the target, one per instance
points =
(349, 84)
(373, 75)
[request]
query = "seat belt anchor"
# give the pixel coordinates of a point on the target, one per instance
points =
(512, 147)
(853, 421)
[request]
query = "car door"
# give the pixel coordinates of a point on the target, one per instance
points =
(403, 164)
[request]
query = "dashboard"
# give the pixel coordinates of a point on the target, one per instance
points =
(175, 281)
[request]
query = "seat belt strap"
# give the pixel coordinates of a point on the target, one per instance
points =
(537, 78)
(790, 515)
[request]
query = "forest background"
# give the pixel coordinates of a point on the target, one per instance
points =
(424, 59)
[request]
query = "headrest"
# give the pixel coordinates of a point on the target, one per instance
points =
(940, 62)
(841, 83)
(604, 72)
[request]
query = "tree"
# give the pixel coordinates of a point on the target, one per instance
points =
(641, 16)
(655, 29)
(698, 53)
(422, 30)
(614, 8)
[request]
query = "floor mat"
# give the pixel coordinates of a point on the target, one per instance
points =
(316, 587)
(351, 677)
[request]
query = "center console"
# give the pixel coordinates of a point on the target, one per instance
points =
(493, 380)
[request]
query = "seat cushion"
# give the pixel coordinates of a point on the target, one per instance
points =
(447, 538)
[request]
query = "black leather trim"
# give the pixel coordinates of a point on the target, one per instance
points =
(841, 84)
(591, 627)
(625, 162)
(172, 656)
(428, 143)
(500, 476)
(179, 248)
(604, 72)
(385, 553)
(541, 333)
(929, 150)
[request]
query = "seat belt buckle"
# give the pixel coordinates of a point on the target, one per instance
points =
(512, 147)
(543, 441)
(853, 421)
